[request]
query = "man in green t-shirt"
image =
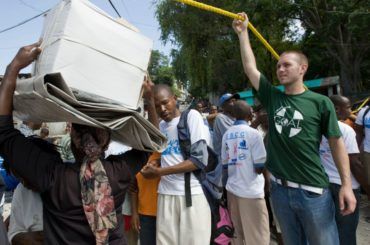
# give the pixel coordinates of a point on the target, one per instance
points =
(298, 118)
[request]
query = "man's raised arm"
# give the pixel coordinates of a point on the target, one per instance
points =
(249, 61)
(24, 57)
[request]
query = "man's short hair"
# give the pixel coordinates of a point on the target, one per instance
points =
(338, 100)
(241, 110)
(302, 57)
(160, 87)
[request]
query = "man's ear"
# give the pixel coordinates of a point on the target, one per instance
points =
(304, 68)
(336, 108)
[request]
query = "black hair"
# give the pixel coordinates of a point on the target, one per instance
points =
(101, 136)
(241, 110)
(160, 87)
(86, 135)
(338, 100)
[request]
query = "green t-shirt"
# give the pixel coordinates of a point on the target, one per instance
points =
(296, 126)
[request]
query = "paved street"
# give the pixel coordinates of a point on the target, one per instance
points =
(363, 231)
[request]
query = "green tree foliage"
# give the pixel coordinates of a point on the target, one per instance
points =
(208, 54)
(160, 70)
(336, 39)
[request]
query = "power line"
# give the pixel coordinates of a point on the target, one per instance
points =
(29, 6)
(23, 22)
(114, 8)
(124, 6)
(324, 10)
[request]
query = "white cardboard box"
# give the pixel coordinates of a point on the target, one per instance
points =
(94, 52)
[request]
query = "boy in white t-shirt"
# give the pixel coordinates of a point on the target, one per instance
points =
(244, 155)
(178, 223)
(347, 225)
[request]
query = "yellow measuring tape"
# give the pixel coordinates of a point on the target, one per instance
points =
(362, 105)
(233, 16)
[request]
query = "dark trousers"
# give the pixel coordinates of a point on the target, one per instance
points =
(148, 229)
(347, 225)
(3, 233)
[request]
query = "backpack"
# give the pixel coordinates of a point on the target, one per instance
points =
(210, 179)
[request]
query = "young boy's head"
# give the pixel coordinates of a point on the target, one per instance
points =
(342, 106)
(242, 111)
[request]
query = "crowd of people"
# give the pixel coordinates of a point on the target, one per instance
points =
(290, 166)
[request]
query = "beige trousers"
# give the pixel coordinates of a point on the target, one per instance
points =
(250, 219)
(181, 225)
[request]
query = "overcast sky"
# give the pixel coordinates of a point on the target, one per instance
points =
(138, 12)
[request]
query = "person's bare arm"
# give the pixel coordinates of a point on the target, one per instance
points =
(359, 129)
(347, 200)
(151, 171)
(266, 175)
(248, 59)
(149, 101)
(24, 57)
(134, 206)
(196, 160)
(31, 237)
(211, 117)
(358, 172)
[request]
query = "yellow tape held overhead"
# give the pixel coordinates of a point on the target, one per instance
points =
(362, 105)
(233, 16)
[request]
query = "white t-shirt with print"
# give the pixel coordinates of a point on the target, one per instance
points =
(349, 138)
(366, 124)
(174, 184)
(242, 149)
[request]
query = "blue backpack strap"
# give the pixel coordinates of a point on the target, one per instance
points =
(185, 145)
(188, 200)
(184, 134)
(363, 117)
